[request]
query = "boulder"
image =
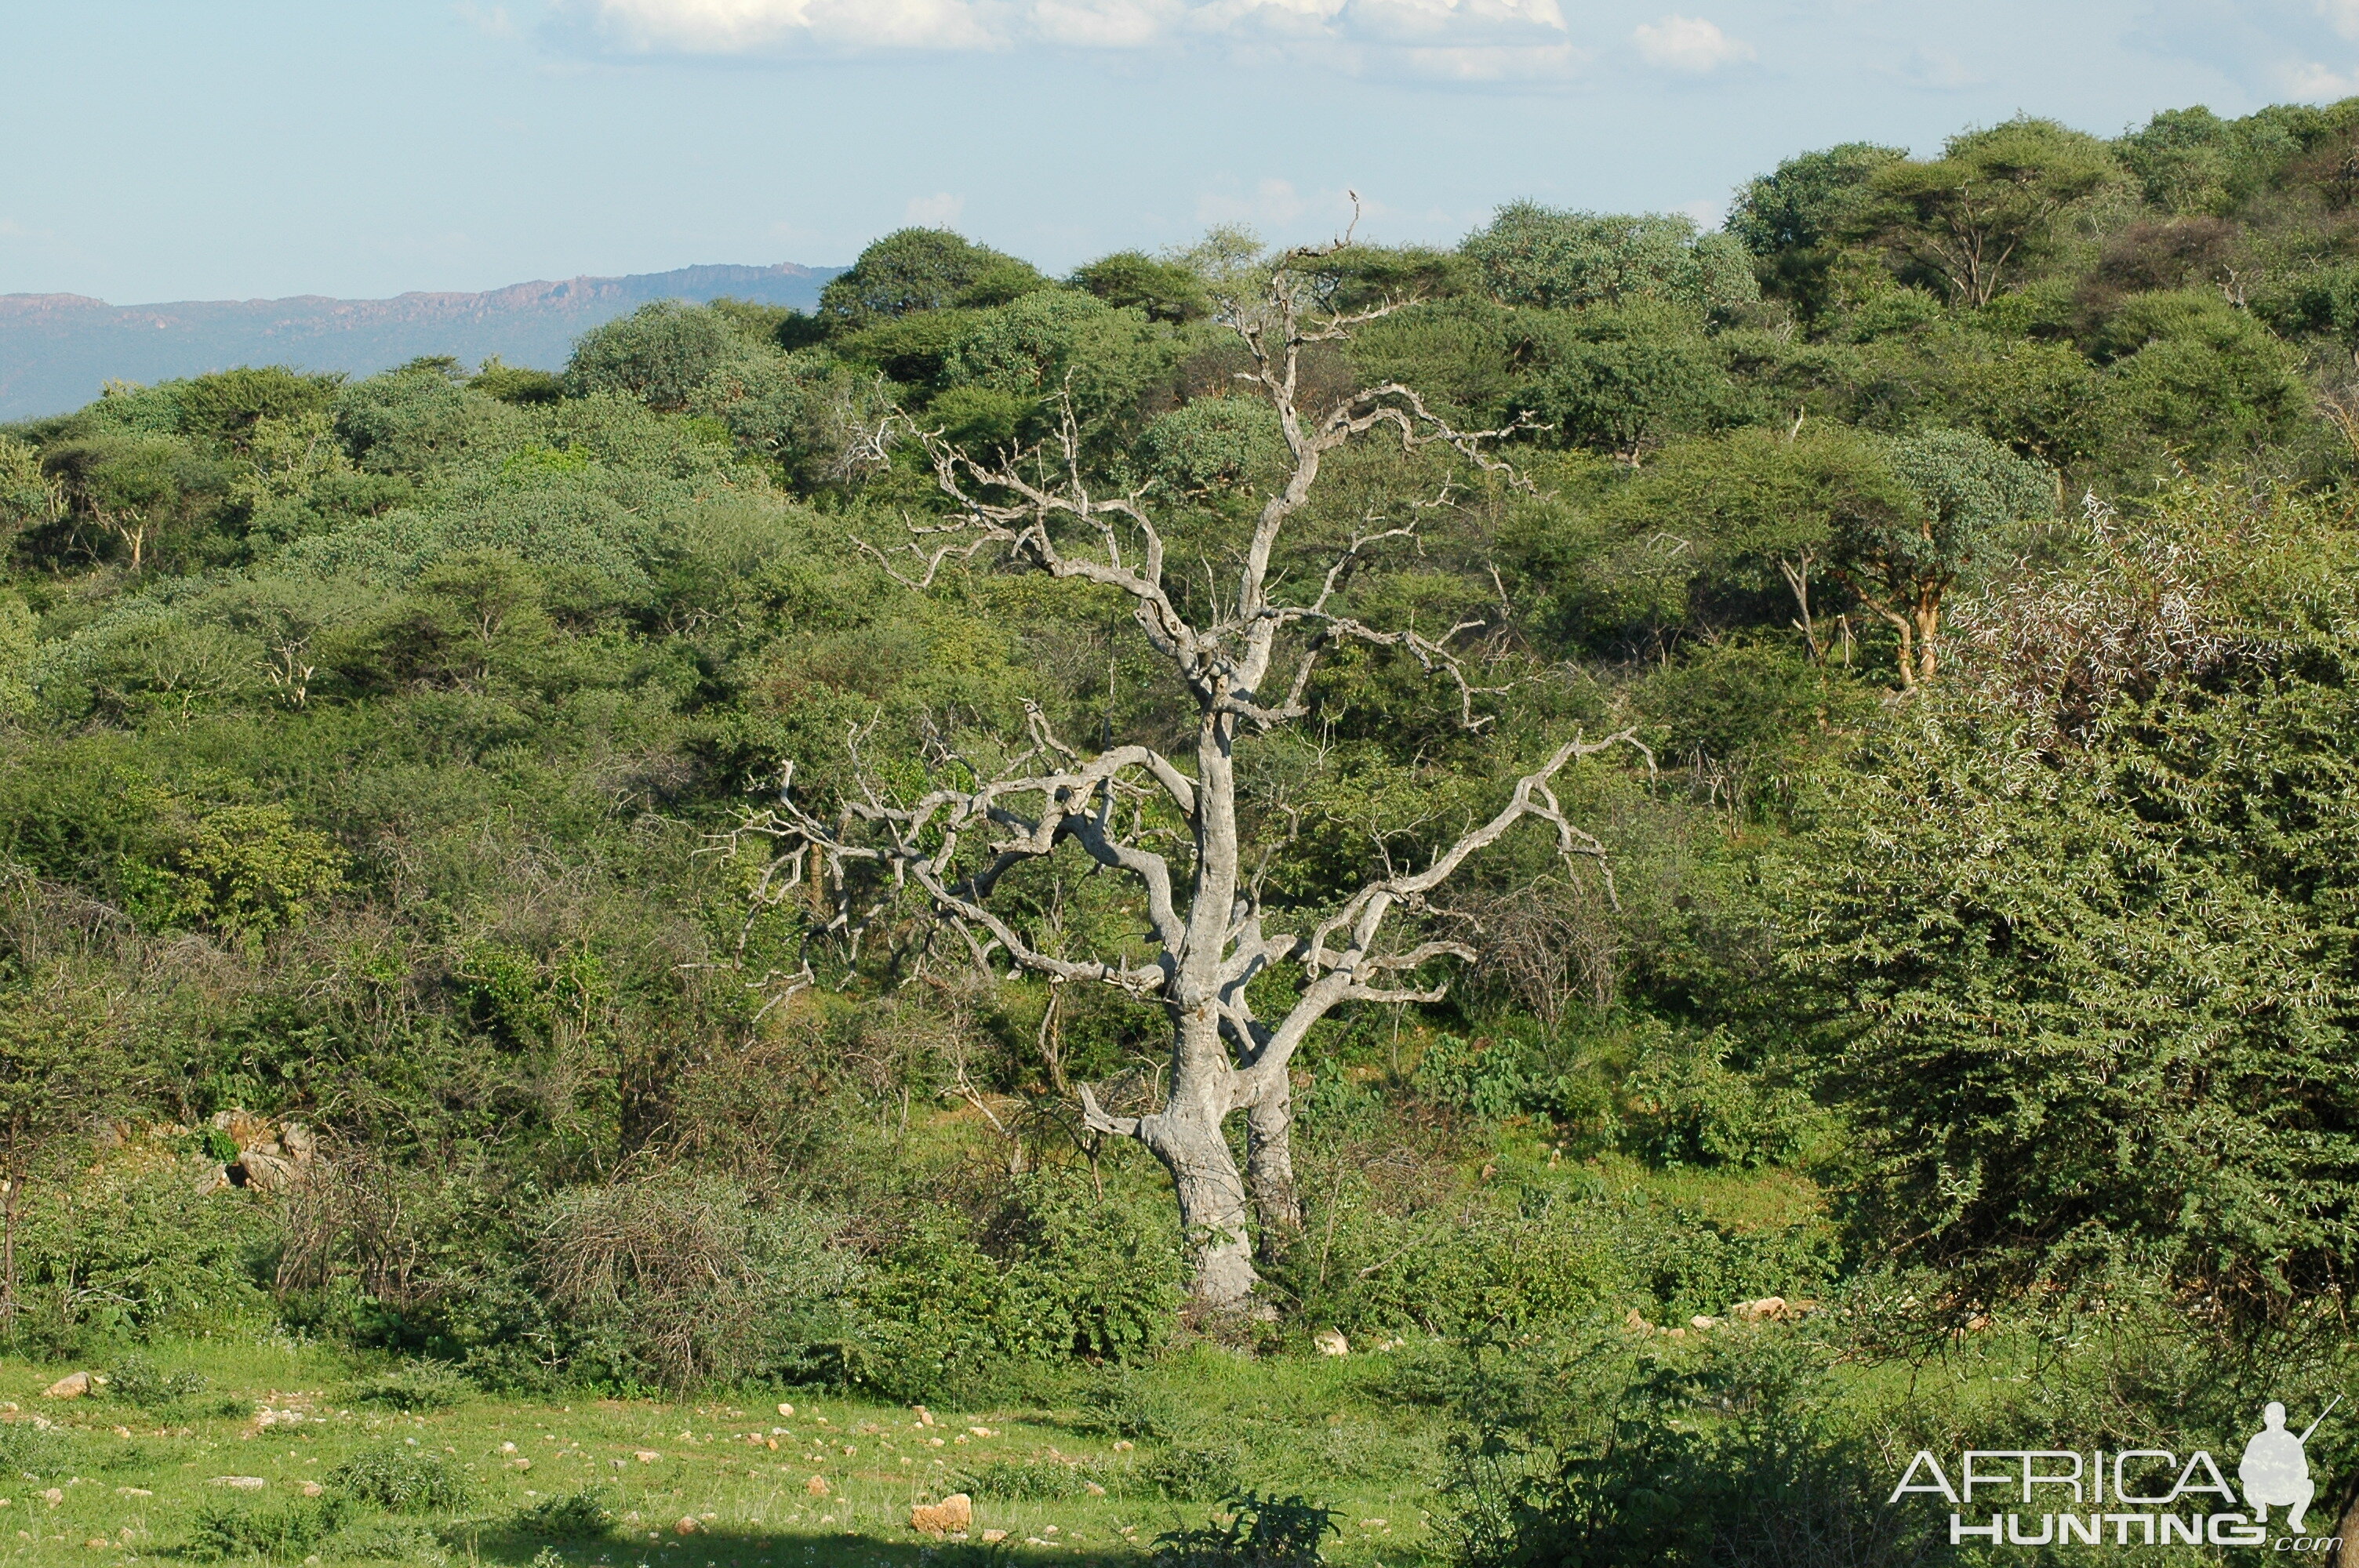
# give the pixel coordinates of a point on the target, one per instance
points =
(241, 1483)
(266, 1172)
(816, 1485)
(953, 1514)
(72, 1386)
(1331, 1343)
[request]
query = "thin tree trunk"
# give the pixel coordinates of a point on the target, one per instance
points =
(8, 1252)
(1269, 1170)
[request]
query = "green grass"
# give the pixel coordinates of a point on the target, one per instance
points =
(441, 1486)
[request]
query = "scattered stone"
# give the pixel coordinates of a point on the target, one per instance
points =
(1373, 1523)
(312, 1488)
(1331, 1343)
(1122, 1446)
(952, 1513)
(72, 1386)
(1699, 1321)
(521, 1463)
(122, 1432)
(1635, 1322)
(1771, 1308)
(1674, 1334)
(992, 1537)
(98, 1543)
(243, 1483)
(1093, 1489)
(133, 1492)
(687, 1526)
(646, 1455)
(786, 1410)
(508, 1448)
(816, 1485)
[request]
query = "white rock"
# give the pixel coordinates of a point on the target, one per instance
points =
(1331, 1343)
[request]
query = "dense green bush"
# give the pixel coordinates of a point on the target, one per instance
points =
(405, 1476)
(283, 1534)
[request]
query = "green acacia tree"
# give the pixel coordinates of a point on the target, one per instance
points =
(913, 270)
(1534, 255)
(2090, 999)
(1795, 219)
(1983, 211)
(1902, 551)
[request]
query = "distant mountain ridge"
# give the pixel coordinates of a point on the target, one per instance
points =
(57, 350)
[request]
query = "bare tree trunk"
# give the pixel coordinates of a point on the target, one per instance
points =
(1187, 1139)
(1269, 1169)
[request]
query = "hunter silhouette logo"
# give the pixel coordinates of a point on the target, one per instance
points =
(2275, 1472)
(2137, 1497)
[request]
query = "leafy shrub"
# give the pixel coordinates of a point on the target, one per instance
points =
(414, 1387)
(1039, 1480)
(29, 1448)
(680, 1276)
(1260, 1533)
(287, 1533)
(138, 1381)
(401, 1476)
(577, 1516)
(1069, 1275)
(1194, 1472)
(1596, 1453)
(1123, 1405)
(1685, 1106)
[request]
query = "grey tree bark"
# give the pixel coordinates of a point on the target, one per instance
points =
(1206, 941)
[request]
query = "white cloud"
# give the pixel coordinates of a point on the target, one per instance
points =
(2311, 80)
(1688, 43)
(2343, 15)
(1458, 40)
(737, 27)
(940, 211)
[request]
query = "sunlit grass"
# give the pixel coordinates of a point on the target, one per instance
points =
(740, 1473)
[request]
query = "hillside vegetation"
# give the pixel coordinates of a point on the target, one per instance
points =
(517, 879)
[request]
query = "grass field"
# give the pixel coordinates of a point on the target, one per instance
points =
(104, 1479)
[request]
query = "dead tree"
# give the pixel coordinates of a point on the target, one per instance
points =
(1245, 666)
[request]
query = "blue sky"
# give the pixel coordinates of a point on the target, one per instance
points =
(174, 150)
